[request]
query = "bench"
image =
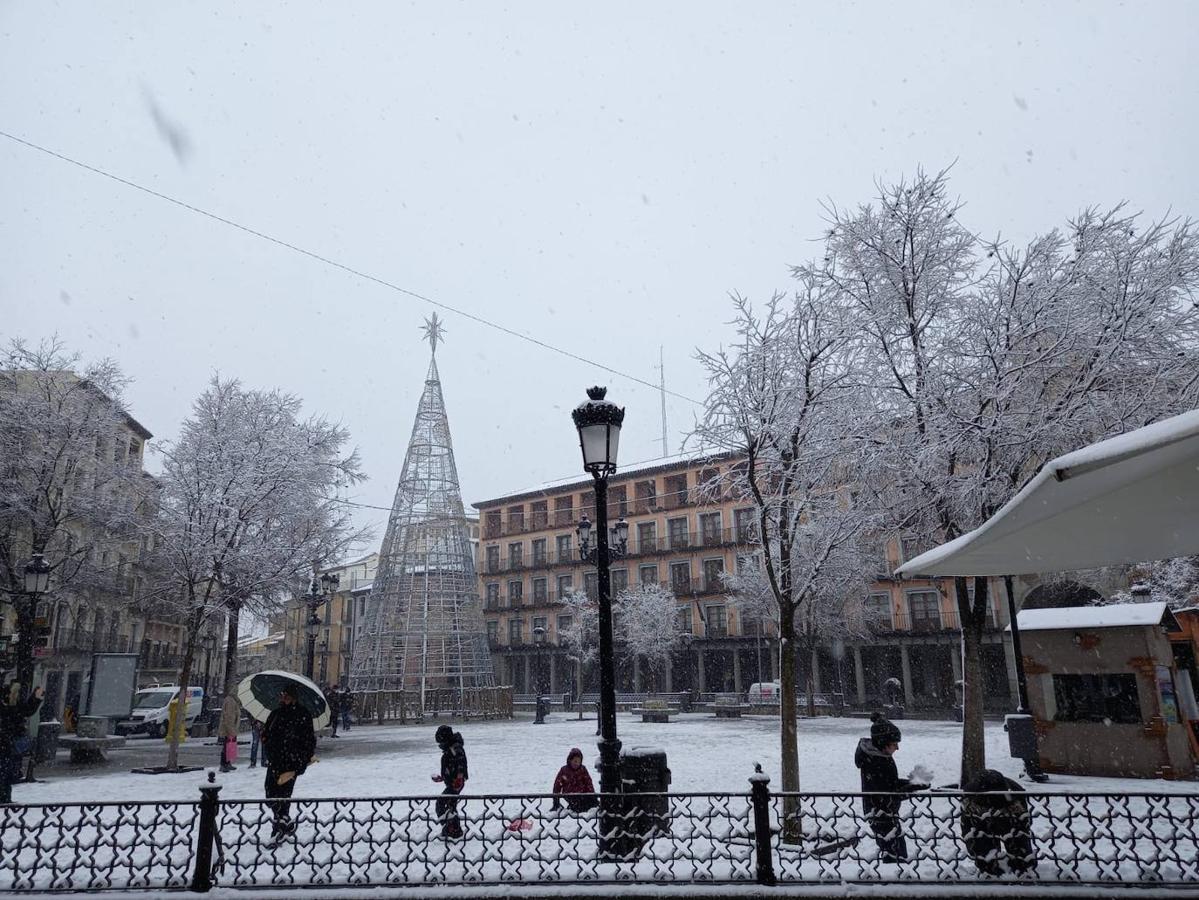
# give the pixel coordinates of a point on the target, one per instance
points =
(659, 714)
(86, 750)
(626, 700)
(728, 706)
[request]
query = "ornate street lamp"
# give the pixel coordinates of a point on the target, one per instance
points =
(598, 421)
(319, 591)
(37, 576)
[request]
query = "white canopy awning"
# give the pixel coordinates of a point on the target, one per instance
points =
(1129, 499)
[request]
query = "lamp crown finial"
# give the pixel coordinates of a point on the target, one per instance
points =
(597, 392)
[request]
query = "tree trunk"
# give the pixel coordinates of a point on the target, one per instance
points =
(185, 672)
(788, 730)
(234, 613)
(973, 618)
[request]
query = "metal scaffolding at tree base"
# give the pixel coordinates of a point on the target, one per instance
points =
(425, 630)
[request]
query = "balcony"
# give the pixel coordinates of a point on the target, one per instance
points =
(80, 641)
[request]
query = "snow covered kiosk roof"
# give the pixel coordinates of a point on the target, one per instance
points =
(1076, 618)
(1128, 499)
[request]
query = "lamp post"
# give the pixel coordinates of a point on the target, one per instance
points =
(598, 421)
(37, 582)
(319, 591)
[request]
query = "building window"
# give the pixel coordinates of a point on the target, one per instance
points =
(680, 577)
(516, 553)
(541, 623)
(515, 631)
(564, 623)
(516, 591)
(676, 529)
(618, 501)
(879, 612)
(491, 529)
(539, 552)
(1097, 698)
(645, 496)
(749, 563)
(924, 610)
(539, 590)
(745, 522)
(620, 581)
(910, 547)
(516, 519)
(540, 514)
(648, 574)
(564, 511)
(709, 529)
(647, 537)
(566, 584)
(493, 559)
(716, 623)
(713, 574)
(591, 585)
(674, 490)
(565, 553)
(684, 620)
(493, 631)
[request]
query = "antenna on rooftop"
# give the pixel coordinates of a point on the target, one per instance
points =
(662, 391)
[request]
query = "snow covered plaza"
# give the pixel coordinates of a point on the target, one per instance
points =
(89, 833)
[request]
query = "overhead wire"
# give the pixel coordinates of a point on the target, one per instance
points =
(366, 276)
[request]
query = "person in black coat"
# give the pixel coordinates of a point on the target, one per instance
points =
(453, 776)
(289, 742)
(995, 821)
(13, 738)
(333, 698)
(875, 758)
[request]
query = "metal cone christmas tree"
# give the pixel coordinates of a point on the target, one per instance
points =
(424, 624)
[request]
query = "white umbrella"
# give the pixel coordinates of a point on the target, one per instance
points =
(1128, 499)
(259, 695)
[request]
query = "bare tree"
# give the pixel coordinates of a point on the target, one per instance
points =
(581, 637)
(778, 402)
(987, 360)
(249, 507)
(68, 487)
(649, 625)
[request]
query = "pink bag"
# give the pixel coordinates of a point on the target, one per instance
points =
(230, 750)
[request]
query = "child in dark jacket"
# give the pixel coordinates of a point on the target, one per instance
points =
(996, 824)
(453, 776)
(573, 778)
(875, 759)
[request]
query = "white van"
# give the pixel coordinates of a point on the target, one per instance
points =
(764, 692)
(151, 710)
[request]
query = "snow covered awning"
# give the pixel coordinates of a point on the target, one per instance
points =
(1129, 499)
(1076, 618)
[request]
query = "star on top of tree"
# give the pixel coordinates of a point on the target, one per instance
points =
(434, 331)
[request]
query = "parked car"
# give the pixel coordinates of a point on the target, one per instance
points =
(151, 710)
(764, 692)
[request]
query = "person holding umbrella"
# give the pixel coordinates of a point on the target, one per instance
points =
(289, 740)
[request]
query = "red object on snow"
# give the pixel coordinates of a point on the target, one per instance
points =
(520, 825)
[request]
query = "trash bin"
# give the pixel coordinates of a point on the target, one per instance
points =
(46, 747)
(1021, 736)
(543, 708)
(644, 771)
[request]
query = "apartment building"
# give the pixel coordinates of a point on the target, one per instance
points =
(342, 615)
(685, 538)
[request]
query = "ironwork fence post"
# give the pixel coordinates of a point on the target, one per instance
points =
(206, 838)
(759, 794)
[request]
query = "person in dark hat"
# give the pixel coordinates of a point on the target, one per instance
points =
(453, 776)
(875, 757)
(996, 824)
(288, 742)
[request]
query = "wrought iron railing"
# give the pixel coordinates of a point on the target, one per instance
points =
(1030, 841)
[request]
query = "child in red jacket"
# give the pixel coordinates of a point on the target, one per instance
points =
(573, 778)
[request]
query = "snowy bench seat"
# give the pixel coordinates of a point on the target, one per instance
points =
(660, 714)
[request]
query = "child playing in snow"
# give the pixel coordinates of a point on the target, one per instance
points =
(875, 758)
(573, 778)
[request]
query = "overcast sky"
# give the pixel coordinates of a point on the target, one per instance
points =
(599, 178)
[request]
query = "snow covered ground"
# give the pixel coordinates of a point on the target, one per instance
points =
(705, 754)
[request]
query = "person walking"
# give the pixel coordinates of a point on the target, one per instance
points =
(875, 757)
(347, 707)
(453, 775)
(256, 744)
(574, 779)
(227, 732)
(14, 740)
(289, 742)
(333, 698)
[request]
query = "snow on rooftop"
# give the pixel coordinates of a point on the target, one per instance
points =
(1075, 617)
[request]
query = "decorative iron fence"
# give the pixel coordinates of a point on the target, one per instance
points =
(1032, 840)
